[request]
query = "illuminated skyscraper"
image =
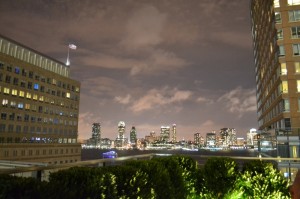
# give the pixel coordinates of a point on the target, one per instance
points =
(165, 133)
(276, 42)
(133, 135)
(96, 133)
(174, 133)
(121, 140)
(228, 136)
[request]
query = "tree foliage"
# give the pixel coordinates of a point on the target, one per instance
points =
(163, 177)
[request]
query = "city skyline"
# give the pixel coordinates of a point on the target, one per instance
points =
(148, 63)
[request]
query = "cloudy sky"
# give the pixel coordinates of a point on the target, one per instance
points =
(147, 62)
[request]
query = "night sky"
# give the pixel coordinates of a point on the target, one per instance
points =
(147, 62)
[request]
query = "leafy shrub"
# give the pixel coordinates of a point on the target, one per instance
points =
(219, 174)
(20, 187)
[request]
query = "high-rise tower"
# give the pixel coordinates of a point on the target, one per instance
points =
(276, 43)
(133, 135)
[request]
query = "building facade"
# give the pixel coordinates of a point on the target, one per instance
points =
(39, 107)
(133, 136)
(165, 133)
(276, 44)
(95, 140)
(228, 137)
(121, 141)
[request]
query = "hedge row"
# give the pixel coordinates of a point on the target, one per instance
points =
(163, 177)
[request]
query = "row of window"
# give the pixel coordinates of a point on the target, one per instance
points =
(296, 50)
(10, 128)
(26, 55)
(294, 15)
(34, 118)
(284, 123)
(37, 87)
(35, 108)
(295, 33)
(37, 152)
(25, 73)
(35, 97)
(289, 3)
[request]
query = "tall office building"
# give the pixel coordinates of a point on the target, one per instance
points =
(174, 134)
(121, 141)
(228, 137)
(165, 133)
(39, 107)
(276, 43)
(95, 141)
(133, 136)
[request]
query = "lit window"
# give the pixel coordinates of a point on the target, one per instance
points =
(28, 95)
(297, 67)
(17, 70)
(68, 95)
(286, 105)
(13, 104)
(21, 93)
(284, 86)
(276, 3)
(36, 86)
(41, 98)
(283, 70)
(20, 105)
(298, 85)
(293, 2)
(6, 90)
(4, 102)
(77, 89)
(294, 15)
(35, 97)
(27, 106)
(296, 49)
(279, 34)
(295, 32)
(14, 92)
(281, 51)
(54, 81)
(277, 17)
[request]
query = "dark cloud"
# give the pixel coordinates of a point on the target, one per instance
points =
(148, 63)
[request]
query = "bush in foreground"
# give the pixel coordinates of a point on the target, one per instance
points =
(163, 177)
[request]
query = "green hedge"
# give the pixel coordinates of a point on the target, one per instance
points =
(162, 177)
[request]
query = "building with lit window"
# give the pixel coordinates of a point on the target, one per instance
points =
(95, 140)
(133, 137)
(165, 133)
(228, 137)
(211, 139)
(174, 134)
(121, 141)
(198, 140)
(39, 107)
(276, 43)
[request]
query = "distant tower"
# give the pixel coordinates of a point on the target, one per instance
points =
(133, 135)
(197, 137)
(96, 133)
(165, 133)
(121, 130)
(211, 139)
(121, 140)
(228, 136)
(174, 138)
